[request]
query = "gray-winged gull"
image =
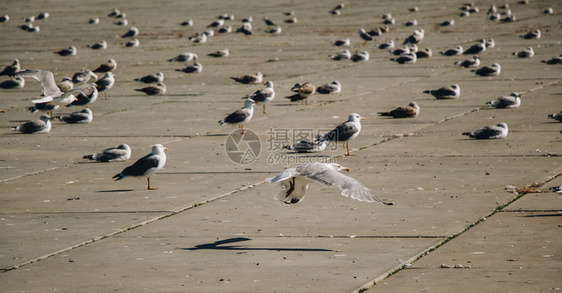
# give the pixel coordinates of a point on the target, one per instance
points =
(52, 93)
(410, 111)
(556, 116)
(81, 117)
(447, 92)
(408, 58)
(146, 166)
(294, 182)
(344, 55)
(83, 76)
(98, 46)
(308, 145)
(511, 101)
(151, 78)
(472, 62)
(105, 83)
(489, 132)
(132, 32)
(525, 53)
(11, 69)
(458, 50)
(118, 153)
(66, 84)
(536, 34)
(333, 87)
(183, 57)
(110, 65)
(492, 70)
(343, 42)
(15, 83)
(476, 48)
(345, 132)
(85, 95)
(553, 60)
(264, 95)
(220, 53)
(240, 116)
(43, 125)
(70, 51)
(360, 56)
(196, 67)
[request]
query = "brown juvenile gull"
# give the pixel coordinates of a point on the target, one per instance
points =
(264, 95)
(509, 102)
(146, 166)
(52, 93)
(81, 117)
(472, 62)
(110, 65)
(345, 132)
(308, 145)
(525, 53)
(489, 132)
(66, 84)
(345, 55)
(16, 83)
(240, 116)
(43, 125)
(411, 111)
(152, 78)
(11, 69)
(447, 92)
(119, 153)
(294, 182)
(157, 89)
(452, 52)
(70, 51)
(83, 76)
(184, 57)
(333, 87)
(250, 79)
(492, 70)
(303, 91)
(220, 53)
(556, 116)
(132, 32)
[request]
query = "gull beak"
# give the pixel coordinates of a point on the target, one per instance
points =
(363, 118)
(346, 169)
(165, 149)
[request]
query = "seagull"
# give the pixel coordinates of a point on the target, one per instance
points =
(105, 83)
(97, 46)
(476, 48)
(415, 38)
(549, 10)
(556, 116)
(95, 20)
(492, 70)
(187, 23)
(276, 30)
(472, 62)
(114, 12)
(225, 30)
(152, 78)
(452, 52)
(11, 69)
(509, 102)
(70, 51)
(294, 182)
(447, 22)
(345, 55)
(66, 84)
(250, 79)
(337, 10)
(308, 145)
(52, 93)
(119, 153)
(411, 111)
(105, 67)
(146, 166)
(122, 22)
(343, 42)
(536, 34)
(16, 83)
(84, 95)
(489, 132)
(425, 53)
(196, 67)
(345, 132)
(447, 92)
(333, 87)
(220, 53)
(264, 95)
(134, 43)
(216, 23)
(133, 32)
(240, 116)
(412, 22)
(303, 91)
(405, 58)
(4, 18)
(43, 125)
(365, 36)
(375, 32)
(553, 60)
(387, 45)
(84, 116)
(199, 38)
(43, 107)
(526, 53)
(360, 56)
(83, 76)
(490, 43)
(400, 51)
(157, 89)
(183, 57)
(268, 22)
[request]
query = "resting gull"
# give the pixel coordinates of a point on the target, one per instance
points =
(83, 76)
(425, 53)
(345, 132)
(536, 34)
(240, 116)
(85, 95)
(16, 83)
(250, 78)
(472, 62)
(152, 78)
(489, 132)
(52, 93)
(183, 57)
(365, 36)
(220, 53)
(333, 87)
(476, 48)
(408, 58)
(66, 84)
(553, 60)
(119, 153)
(343, 42)
(386, 45)
(134, 43)
(360, 56)
(447, 92)
(452, 52)
(345, 55)
(415, 38)
(511, 101)
(308, 145)
(410, 111)
(133, 32)
(525, 53)
(43, 125)
(11, 69)
(556, 116)
(146, 166)
(106, 67)
(157, 89)
(492, 70)
(81, 117)
(264, 95)
(98, 46)
(70, 51)
(196, 67)
(294, 182)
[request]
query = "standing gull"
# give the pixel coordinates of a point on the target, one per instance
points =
(66, 84)
(411, 111)
(303, 91)
(119, 153)
(110, 65)
(250, 79)
(11, 69)
(489, 132)
(240, 116)
(447, 92)
(81, 117)
(146, 166)
(345, 132)
(294, 182)
(43, 107)
(105, 83)
(511, 101)
(43, 125)
(333, 87)
(492, 70)
(264, 95)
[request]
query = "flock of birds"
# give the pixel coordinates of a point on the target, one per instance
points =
(78, 91)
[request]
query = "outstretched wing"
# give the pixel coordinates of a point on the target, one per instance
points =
(46, 79)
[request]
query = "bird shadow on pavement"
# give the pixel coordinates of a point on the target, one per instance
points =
(218, 245)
